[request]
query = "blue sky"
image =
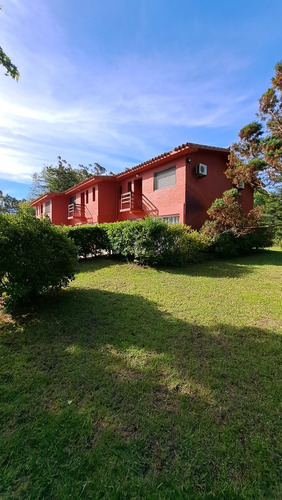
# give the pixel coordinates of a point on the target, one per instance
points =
(120, 81)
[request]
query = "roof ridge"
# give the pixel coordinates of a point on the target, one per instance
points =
(177, 149)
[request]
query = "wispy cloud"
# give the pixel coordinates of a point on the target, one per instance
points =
(91, 110)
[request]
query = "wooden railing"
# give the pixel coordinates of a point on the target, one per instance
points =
(137, 203)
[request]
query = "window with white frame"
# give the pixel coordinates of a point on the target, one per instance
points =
(170, 219)
(47, 207)
(165, 178)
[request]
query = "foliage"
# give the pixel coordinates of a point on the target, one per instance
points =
(5, 61)
(35, 258)
(9, 204)
(11, 69)
(157, 243)
(25, 208)
(258, 154)
(261, 196)
(226, 215)
(147, 242)
(89, 239)
(271, 203)
(230, 245)
(53, 179)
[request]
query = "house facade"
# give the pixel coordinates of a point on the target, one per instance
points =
(178, 186)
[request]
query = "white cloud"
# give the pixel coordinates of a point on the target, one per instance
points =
(91, 110)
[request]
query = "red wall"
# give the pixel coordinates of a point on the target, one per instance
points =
(59, 210)
(91, 206)
(107, 202)
(202, 191)
(169, 201)
(190, 198)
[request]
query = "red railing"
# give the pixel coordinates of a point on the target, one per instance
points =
(137, 203)
(77, 211)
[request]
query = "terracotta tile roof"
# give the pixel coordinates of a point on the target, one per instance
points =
(90, 180)
(188, 147)
(44, 196)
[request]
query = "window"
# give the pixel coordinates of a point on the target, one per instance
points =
(119, 192)
(86, 196)
(93, 193)
(170, 219)
(129, 186)
(72, 200)
(164, 179)
(47, 207)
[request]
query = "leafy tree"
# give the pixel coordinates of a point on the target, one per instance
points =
(11, 69)
(226, 216)
(58, 178)
(261, 196)
(257, 157)
(9, 204)
(94, 169)
(25, 208)
(271, 204)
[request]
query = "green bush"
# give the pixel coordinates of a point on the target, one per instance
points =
(89, 239)
(147, 242)
(36, 257)
(230, 245)
(160, 244)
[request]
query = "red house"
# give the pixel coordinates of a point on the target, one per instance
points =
(178, 186)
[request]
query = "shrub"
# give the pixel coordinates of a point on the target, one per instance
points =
(231, 245)
(89, 239)
(161, 244)
(148, 241)
(227, 214)
(36, 257)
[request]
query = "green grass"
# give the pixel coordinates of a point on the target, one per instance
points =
(142, 383)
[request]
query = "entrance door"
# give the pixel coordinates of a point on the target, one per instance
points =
(138, 194)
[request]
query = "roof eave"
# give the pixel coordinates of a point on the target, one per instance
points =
(43, 197)
(187, 148)
(159, 160)
(90, 181)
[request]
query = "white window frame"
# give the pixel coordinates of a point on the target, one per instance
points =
(170, 219)
(47, 207)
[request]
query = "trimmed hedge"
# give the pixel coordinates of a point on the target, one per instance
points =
(153, 242)
(89, 239)
(147, 242)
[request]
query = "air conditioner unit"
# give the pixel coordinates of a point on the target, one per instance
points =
(241, 184)
(201, 170)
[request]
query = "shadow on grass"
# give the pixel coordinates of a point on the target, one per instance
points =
(100, 261)
(236, 267)
(106, 395)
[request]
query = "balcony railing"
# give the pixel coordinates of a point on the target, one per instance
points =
(134, 202)
(76, 210)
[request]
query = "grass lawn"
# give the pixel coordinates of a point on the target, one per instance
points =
(142, 383)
